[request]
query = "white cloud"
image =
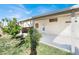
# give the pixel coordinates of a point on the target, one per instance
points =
(21, 8)
(18, 11)
(75, 6)
(16, 16)
(43, 10)
(10, 11)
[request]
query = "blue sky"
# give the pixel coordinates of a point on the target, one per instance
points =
(24, 11)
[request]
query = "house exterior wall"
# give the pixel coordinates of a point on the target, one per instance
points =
(53, 27)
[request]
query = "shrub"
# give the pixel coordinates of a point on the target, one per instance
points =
(12, 27)
(33, 38)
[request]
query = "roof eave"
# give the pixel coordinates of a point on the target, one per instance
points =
(61, 12)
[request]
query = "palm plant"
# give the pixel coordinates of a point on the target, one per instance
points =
(33, 38)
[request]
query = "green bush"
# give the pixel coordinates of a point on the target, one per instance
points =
(12, 28)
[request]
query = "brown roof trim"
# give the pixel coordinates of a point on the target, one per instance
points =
(57, 13)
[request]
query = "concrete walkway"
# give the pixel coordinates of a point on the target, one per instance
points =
(60, 41)
(50, 40)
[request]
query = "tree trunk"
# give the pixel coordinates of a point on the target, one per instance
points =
(33, 48)
(33, 51)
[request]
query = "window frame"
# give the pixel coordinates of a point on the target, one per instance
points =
(53, 20)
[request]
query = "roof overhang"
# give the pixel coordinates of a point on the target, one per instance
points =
(51, 14)
(58, 13)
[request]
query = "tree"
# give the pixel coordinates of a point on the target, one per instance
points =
(12, 27)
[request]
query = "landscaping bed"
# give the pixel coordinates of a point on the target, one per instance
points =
(7, 47)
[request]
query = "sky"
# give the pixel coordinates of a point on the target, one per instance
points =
(25, 11)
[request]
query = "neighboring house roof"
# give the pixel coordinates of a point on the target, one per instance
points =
(64, 11)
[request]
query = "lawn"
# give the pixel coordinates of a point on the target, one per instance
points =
(48, 50)
(7, 47)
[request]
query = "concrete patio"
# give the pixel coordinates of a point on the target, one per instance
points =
(63, 41)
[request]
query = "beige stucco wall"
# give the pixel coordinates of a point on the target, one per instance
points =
(53, 27)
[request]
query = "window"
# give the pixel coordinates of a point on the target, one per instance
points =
(53, 20)
(37, 25)
(68, 21)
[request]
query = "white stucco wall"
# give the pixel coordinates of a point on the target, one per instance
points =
(53, 27)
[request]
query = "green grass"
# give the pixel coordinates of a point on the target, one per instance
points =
(48, 50)
(7, 47)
